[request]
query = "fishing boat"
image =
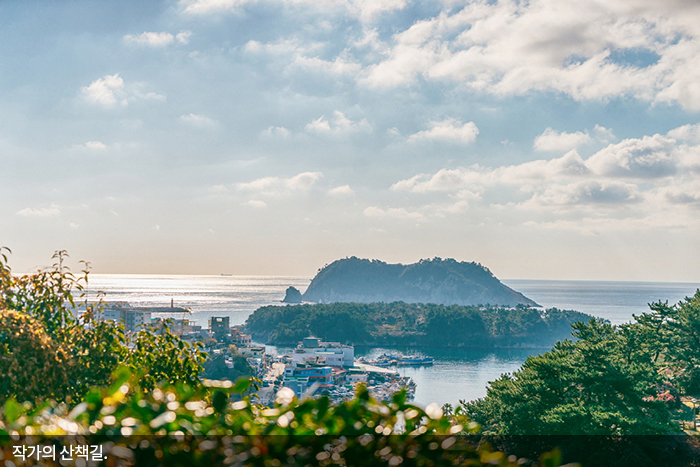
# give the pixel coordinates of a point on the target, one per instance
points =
(416, 360)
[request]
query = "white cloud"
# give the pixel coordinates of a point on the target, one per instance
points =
(649, 157)
(338, 125)
(96, 145)
(276, 132)
(344, 190)
(110, 91)
(151, 39)
(365, 10)
(447, 130)
(373, 211)
(208, 6)
(684, 194)
(40, 212)
(276, 186)
(552, 140)
(588, 192)
(586, 50)
(157, 39)
(604, 135)
(183, 37)
(398, 213)
(648, 176)
(339, 66)
(686, 133)
(256, 203)
(92, 146)
(199, 121)
(106, 91)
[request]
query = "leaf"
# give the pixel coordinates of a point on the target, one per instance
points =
(241, 385)
(551, 458)
(13, 410)
(219, 401)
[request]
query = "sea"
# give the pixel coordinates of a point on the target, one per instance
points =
(457, 374)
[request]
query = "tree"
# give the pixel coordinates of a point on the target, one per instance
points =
(43, 332)
(585, 387)
(683, 340)
(32, 365)
(163, 356)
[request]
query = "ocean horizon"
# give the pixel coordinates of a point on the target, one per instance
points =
(457, 374)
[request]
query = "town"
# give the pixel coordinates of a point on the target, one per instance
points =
(312, 369)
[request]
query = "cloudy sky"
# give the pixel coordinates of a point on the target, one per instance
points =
(546, 139)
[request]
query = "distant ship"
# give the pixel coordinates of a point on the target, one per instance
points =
(227, 275)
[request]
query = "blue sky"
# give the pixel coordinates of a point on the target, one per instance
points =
(545, 139)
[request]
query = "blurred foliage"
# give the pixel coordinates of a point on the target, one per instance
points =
(217, 368)
(413, 324)
(68, 377)
(186, 425)
(48, 348)
(32, 365)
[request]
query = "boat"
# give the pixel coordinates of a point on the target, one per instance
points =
(416, 360)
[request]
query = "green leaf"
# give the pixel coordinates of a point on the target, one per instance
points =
(219, 401)
(241, 385)
(551, 458)
(13, 410)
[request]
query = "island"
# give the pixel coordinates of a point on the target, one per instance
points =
(401, 324)
(445, 282)
(292, 295)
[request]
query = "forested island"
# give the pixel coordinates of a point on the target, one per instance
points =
(446, 282)
(68, 374)
(413, 324)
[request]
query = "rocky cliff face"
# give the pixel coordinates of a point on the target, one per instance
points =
(446, 282)
(292, 295)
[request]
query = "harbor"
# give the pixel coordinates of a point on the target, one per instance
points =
(314, 368)
(317, 368)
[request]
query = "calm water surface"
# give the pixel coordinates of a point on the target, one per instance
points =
(456, 374)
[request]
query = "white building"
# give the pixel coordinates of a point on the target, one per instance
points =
(313, 350)
(131, 316)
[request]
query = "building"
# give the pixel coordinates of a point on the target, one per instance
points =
(131, 317)
(297, 384)
(314, 376)
(313, 350)
(219, 325)
(252, 352)
(184, 327)
(355, 376)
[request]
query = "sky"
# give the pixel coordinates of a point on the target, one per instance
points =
(545, 139)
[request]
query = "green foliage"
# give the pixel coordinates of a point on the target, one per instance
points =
(403, 324)
(32, 365)
(593, 386)
(427, 281)
(52, 350)
(680, 335)
(216, 368)
(165, 357)
(203, 426)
